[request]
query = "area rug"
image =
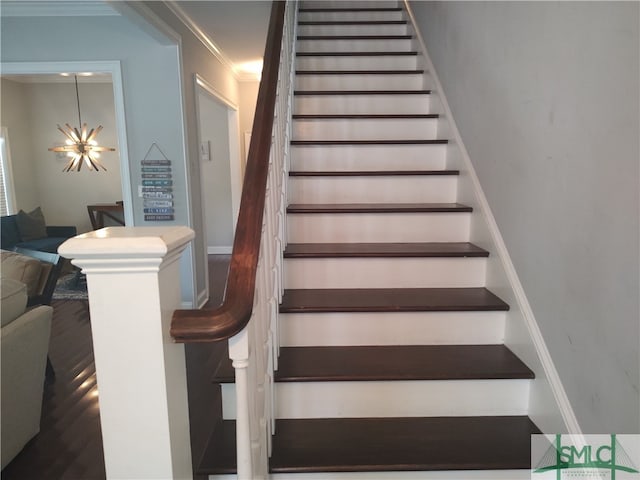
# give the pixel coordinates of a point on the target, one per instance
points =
(71, 287)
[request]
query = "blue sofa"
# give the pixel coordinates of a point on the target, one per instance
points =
(49, 241)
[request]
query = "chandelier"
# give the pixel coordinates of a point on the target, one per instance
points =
(81, 145)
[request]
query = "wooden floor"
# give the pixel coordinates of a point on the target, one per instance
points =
(69, 445)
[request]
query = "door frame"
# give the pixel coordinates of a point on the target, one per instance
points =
(235, 160)
(110, 67)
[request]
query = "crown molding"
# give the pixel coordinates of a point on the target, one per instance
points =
(59, 8)
(215, 50)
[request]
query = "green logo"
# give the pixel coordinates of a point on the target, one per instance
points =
(595, 459)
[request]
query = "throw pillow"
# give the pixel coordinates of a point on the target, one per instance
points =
(31, 225)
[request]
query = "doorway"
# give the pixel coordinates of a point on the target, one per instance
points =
(220, 166)
(38, 96)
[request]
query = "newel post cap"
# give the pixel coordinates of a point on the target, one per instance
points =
(127, 242)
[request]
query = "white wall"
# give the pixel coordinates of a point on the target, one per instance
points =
(14, 115)
(546, 99)
(248, 100)
(65, 196)
(215, 174)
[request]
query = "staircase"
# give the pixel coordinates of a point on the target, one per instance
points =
(391, 360)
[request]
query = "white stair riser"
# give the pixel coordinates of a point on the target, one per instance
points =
(391, 45)
(391, 328)
(384, 29)
(349, 4)
(378, 189)
(393, 398)
(378, 227)
(360, 82)
(361, 104)
(375, 62)
(384, 272)
(366, 129)
(399, 475)
(350, 16)
(341, 158)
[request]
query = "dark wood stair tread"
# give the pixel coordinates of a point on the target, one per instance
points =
(391, 363)
(352, 22)
(358, 72)
(362, 116)
(385, 444)
(390, 300)
(348, 9)
(370, 142)
(399, 362)
(399, 250)
(394, 444)
(378, 208)
(373, 173)
(357, 54)
(361, 92)
(354, 37)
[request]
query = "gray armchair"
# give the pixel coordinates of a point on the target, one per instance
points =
(24, 344)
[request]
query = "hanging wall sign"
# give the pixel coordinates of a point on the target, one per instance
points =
(157, 186)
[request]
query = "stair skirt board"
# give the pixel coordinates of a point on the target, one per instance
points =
(378, 227)
(365, 129)
(396, 398)
(373, 189)
(368, 157)
(384, 272)
(396, 328)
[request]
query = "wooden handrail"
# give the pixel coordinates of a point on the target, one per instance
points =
(235, 312)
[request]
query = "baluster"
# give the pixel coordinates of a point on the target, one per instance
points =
(255, 350)
(239, 354)
(258, 368)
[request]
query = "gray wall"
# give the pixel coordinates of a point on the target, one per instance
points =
(545, 96)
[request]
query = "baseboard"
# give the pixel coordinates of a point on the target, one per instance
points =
(219, 250)
(549, 405)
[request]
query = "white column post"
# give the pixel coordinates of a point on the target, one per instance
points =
(239, 354)
(134, 286)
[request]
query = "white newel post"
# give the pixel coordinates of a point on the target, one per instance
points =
(134, 286)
